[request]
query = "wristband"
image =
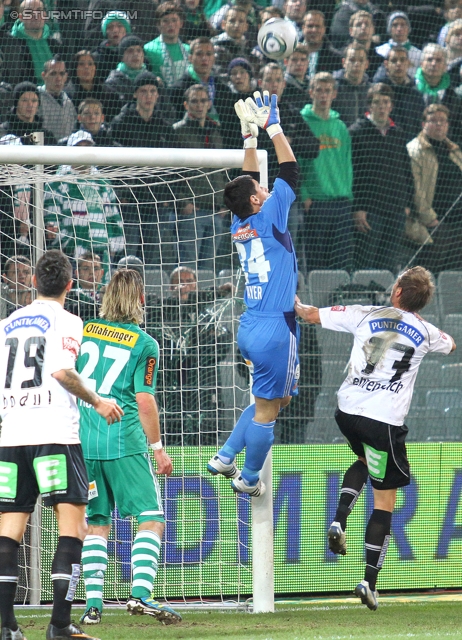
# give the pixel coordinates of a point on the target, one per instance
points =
(273, 130)
(156, 446)
(250, 143)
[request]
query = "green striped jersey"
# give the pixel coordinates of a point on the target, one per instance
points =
(117, 361)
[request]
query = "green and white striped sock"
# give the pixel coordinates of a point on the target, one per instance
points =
(145, 556)
(94, 562)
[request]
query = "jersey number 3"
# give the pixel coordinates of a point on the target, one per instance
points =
(120, 357)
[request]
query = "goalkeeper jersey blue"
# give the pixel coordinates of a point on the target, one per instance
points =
(266, 253)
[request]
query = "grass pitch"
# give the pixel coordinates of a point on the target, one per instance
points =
(320, 619)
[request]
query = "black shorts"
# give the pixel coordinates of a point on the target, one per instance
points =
(56, 471)
(381, 444)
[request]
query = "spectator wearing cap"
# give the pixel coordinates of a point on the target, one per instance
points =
(232, 43)
(83, 215)
(31, 45)
(139, 123)
(114, 27)
(56, 108)
(121, 81)
(454, 49)
(399, 28)
(340, 27)
(167, 55)
(241, 80)
(23, 120)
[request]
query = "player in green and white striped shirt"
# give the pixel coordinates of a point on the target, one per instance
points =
(121, 360)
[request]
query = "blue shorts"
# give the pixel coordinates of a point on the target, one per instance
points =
(269, 345)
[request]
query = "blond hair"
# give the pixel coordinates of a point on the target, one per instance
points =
(122, 299)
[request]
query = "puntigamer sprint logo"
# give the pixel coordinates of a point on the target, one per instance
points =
(397, 326)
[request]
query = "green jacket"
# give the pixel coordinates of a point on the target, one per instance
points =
(330, 175)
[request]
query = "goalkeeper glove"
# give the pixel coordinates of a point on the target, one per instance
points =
(249, 129)
(266, 113)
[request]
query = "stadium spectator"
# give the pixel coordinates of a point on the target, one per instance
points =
(195, 24)
(82, 216)
(241, 80)
(294, 12)
(23, 120)
(362, 32)
(434, 83)
(340, 29)
(114, 27)
(5, 40)
(408, 103)
(260, 219)
(352, 84)
(197, 223)
(202, 60)
(92, 119)
(89, 274)
(326, 182)
(322, 55)
(382, 183)
(139, 124)
(31, 45)
(454, 49)
(437, 168)
(296, 75)
(251, 9)
(32, 432)
(114, 455)
(121, 81)
(84, 80)
(232, 42)
(16, 290)
(399, 28)
(168, 55)
(56, 108)
(452, 12)
(373, 422)
(193, 343)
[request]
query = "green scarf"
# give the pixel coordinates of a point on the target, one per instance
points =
(131, 73)
(39, 49)
(424, 87)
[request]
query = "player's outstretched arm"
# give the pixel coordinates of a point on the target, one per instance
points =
(149, 418)
(307, 312)
(107, 408)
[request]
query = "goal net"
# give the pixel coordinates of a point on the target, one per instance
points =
(155, 219)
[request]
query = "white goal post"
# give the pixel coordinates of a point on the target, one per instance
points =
(25, 164)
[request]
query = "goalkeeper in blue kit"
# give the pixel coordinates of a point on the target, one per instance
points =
(268, 334)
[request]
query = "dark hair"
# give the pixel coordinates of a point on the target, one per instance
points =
(435, 108)
(197, 42)
(48, 64)
(192, 89)
(167, 8)
(89, 101)
(417, 289)
(380, 89)
(53, 271)
(236, 196)
(14, 260)
(398, 49)
(354, 46)
(269, 67)
(88, 256)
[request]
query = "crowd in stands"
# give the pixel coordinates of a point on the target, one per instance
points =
(356, 99)
(370, 100)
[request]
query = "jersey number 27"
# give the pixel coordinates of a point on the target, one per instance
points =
(119, 358)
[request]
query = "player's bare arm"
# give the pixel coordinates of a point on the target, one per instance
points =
(70, 380)
(307, 312)
(149, 418)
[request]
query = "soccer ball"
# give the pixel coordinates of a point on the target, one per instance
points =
(277, 38)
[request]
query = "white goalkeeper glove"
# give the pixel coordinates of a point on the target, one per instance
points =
(265, 112)
(249, 129)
